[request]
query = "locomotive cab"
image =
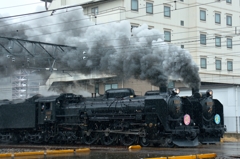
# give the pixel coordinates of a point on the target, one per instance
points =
(46, 109)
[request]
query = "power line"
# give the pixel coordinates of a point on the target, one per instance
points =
(111, 21)
(20, 5)
(39, 12)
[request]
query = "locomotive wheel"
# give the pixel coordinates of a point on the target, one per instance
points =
(15, 138)
(169, 143)
(127, 139)
(144, 141)
(90, 137)
(61, 138)
(108, 139)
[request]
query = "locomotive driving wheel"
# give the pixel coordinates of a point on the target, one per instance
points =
(144, 141)
(127, 139)
(90, 137)
(108, 138)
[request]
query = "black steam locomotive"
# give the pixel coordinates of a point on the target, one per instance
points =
(208, 115)
(118, 117)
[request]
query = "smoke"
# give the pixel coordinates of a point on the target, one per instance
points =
(110, 48)
(69, 87)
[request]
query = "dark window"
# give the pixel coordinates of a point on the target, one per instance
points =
(182, 46)
(94, 11)
(182, 23)
(229, 20)
(218, 41)
(229, 43)
(218, 65)
(167, 11)
(203, 63)
(203, 15)
(203, 40)
(150, 27)
(229, 1)
(134, 5)
(149, 8)
(229, 65)
(217, 18)
(167, 36)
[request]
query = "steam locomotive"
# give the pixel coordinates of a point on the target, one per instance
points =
(208, 114)
(117, 117)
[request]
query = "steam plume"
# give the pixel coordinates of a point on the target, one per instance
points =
(111, 48)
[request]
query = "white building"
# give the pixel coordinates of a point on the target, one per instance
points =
(209, 29)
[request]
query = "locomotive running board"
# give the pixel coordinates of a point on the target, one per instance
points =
(186, 143)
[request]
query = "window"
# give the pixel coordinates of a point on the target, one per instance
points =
(149, 8)
(218, 64)
(229, 65)
(167, 36)
(229, 43)
(229, 1)
(96, 88)
(218, 41)
(150, 27)
(182, 46)
(94, 11)
(171, 84)
(203, 15)
(167, 11)
(229, 20)
(203, 40)
(110, 86)
(134, 5)
(218, 18)
(203, 63)
(182, 23)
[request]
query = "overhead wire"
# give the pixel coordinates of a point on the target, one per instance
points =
(108, 22)
(20, 5)
(58, 23)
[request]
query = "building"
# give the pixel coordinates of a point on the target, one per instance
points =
(208, 29)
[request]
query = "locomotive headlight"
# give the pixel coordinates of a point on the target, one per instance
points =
(209, 93)
(186, 119)
(176, 90)
(217, 119)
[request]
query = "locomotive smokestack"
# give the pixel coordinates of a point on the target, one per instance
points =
(195, 93)
(195, 90)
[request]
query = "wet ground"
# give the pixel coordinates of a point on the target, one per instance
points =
(229, 150)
